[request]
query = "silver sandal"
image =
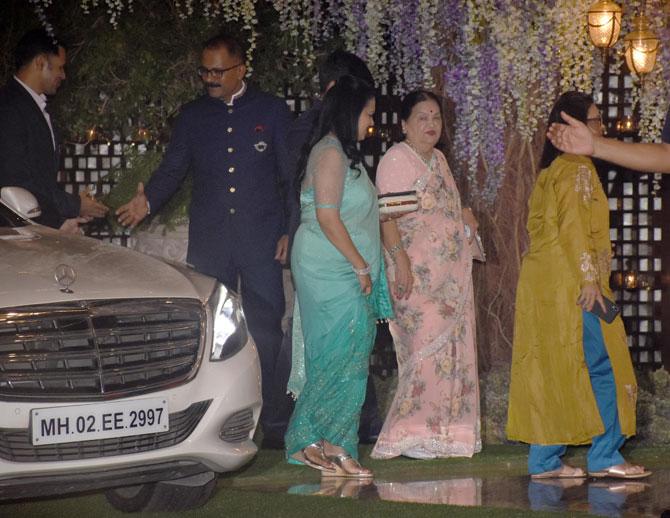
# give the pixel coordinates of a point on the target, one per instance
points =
(319, 446)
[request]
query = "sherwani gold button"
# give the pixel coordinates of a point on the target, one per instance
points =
(232, 211)
(230, 150)
(232, 189)
(229, 130)
(231, 169)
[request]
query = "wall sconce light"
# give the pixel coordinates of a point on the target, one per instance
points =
(604, 22)
(630, 277)
(641, 46)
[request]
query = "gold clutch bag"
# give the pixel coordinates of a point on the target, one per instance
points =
(398, 203)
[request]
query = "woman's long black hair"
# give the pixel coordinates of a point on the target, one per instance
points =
(341, 108)
(575, 104)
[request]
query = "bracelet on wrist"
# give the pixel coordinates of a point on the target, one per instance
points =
(394, 250)
(361, 271)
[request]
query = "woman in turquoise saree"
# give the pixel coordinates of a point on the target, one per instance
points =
(340, 286)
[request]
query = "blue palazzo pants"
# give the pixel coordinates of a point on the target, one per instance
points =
(604, 451)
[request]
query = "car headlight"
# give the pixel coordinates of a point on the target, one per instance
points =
(230, 327)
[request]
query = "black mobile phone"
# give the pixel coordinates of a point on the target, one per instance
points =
(612, 310)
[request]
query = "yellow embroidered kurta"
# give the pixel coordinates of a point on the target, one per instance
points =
(551, 400)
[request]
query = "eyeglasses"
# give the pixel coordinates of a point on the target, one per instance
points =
(595, 120)
(216, 73)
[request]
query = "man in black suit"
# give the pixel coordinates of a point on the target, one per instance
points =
(29, 149)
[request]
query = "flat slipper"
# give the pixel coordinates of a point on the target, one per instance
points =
(619, 471)
(565, 471)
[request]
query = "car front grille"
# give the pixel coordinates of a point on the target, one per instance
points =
(94, 350)
(16, 446)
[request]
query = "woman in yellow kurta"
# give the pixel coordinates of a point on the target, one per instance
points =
(572, 380)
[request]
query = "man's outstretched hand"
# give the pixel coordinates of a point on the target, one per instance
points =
(133, 212)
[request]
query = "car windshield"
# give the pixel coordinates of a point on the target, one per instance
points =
(9, 218)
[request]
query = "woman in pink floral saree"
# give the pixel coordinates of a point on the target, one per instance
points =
(435, 411)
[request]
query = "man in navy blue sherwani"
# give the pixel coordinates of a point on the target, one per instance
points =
(233, 141)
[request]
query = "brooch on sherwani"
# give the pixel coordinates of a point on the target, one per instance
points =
(261, 145)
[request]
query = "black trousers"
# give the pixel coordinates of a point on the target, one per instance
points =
(261, 287)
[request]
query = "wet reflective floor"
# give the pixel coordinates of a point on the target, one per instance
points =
(603, 497)
(492, 484)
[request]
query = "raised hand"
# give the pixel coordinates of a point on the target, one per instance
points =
(574, 137)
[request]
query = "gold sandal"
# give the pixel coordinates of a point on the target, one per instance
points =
(565, 471)
(340, 471)
(621, 471)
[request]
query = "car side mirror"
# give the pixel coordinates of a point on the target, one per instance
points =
(21, 201)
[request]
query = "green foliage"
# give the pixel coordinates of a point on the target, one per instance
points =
(138, 74)
(653, 407)
(494, 392)
(139, 167)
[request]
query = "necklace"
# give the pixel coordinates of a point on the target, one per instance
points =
(429, 162)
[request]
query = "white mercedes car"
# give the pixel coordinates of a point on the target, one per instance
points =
(117, 370)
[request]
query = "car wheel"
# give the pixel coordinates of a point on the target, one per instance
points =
(161, 496)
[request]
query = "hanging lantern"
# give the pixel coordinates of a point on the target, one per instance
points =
(604, 21)
(641, 46)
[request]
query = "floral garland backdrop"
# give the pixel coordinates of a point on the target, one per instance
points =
(502, 61)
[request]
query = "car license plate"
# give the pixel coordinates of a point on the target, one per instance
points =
(99, 421)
